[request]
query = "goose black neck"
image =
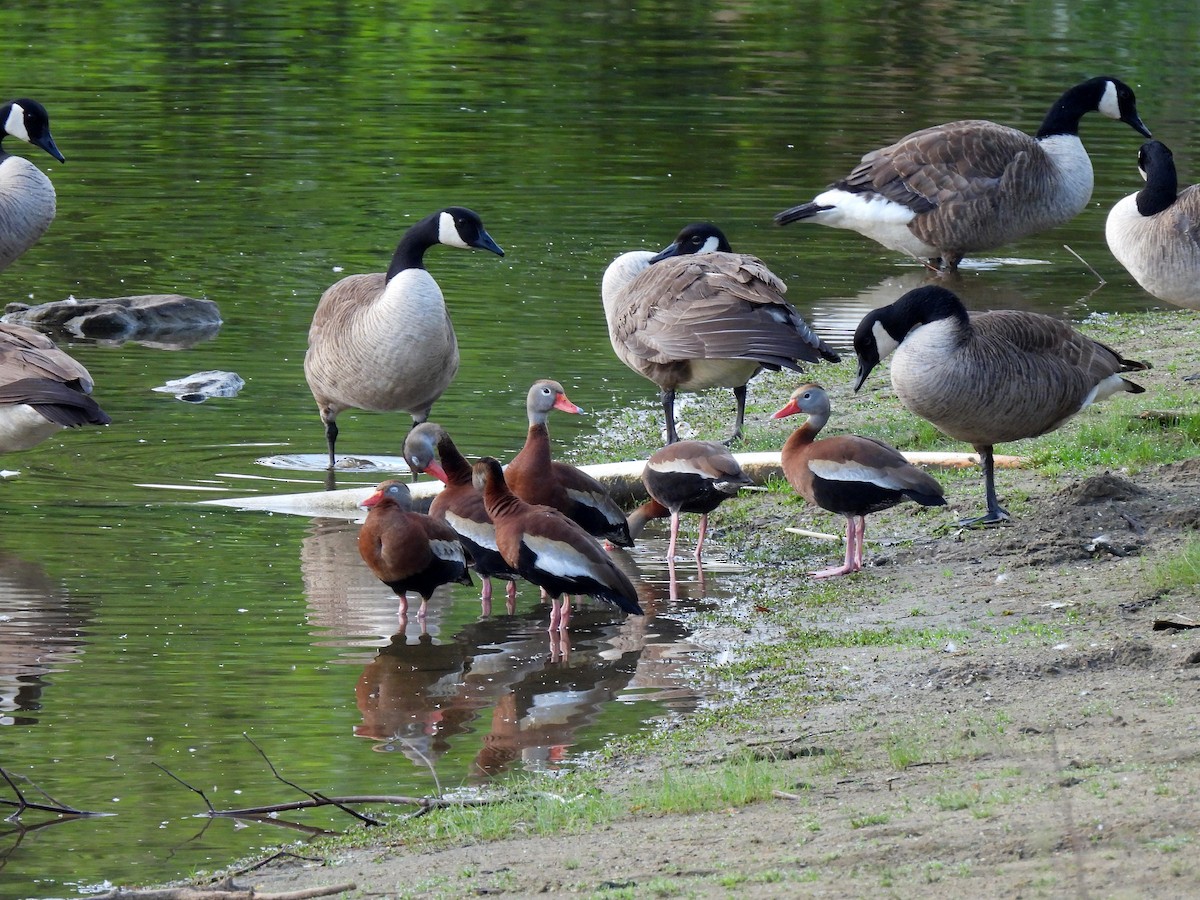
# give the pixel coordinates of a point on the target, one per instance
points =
(410, 252)
(923, 305)
(1162, 184)
(1063, 117)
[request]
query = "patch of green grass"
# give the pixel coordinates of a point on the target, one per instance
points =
(1175, 571)
(869, 819)
(738, 782)
(1112, 435)
(905, 750)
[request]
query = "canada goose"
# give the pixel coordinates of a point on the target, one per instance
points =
(549, 550)
(409, 551)
(42, 390)
(385, 342)
(687, 477)
(536, 478)
(987, 377)
(698, 316)
(943, 192)
(847, 474)
(1155, 233)
(26, 194)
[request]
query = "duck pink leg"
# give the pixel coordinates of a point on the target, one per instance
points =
(560, 613)
(853, 562)
(674, 535)
(403, 612)
(700, 539)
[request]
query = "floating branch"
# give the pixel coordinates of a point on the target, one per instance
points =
(315, 800)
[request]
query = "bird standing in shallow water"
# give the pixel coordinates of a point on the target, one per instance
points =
(847, 474)
(42, 390)
(460, 506)
(536, 478)
(698, 316)
(944, 192)
(989, 377)
(691, 477)
(27, 199)
(385, 342)
(549, 550)
(409, 551)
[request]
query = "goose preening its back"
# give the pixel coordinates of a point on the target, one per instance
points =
(698, 316)
(385, 342)
(536, 478)
(549, 550)
(409, 551)
(988, 377)
(1155, 233)
(26, 195)
(42, 390)
(687, 477)
(944, 192)
(847, 474)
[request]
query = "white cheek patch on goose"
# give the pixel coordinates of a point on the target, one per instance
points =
(15, 123)
(1109, 104)
(481, 533)
(710, 245)
(884, 342)
(557, 557)
(448, 232)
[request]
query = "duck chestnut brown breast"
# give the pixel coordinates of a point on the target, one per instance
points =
(849, 475)
(537, 478)
(409, 551)
(549, 550)
(42, 390)
(688, 477)
(428, 448)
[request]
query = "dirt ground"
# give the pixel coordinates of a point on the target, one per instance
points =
(1044, 743)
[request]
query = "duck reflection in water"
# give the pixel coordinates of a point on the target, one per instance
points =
(493, 679)
(43, 629)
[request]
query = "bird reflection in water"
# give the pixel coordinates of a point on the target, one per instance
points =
(498, 683)
(42, 628)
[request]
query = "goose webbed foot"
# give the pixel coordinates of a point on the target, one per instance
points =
(997, 515)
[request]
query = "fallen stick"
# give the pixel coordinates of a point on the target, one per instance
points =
(222, 892)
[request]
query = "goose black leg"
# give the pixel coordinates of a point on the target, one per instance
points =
(995, 512)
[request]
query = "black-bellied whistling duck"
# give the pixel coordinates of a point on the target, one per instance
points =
(944, 192)
(987, 377)
(549, 550)
(42, 390)
(384, 341)
(409, 551)
(848, 474)
(536, 478)
(687, 477)
(428, 448)
(698, 316)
